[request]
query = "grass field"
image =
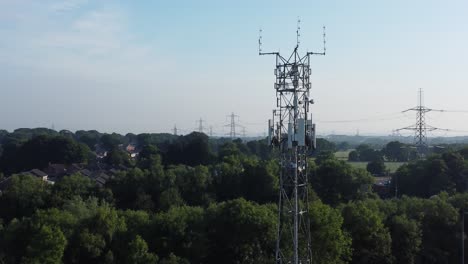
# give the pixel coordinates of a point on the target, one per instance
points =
(391, 166)
(343, 155)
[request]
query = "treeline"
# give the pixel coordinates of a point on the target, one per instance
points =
(192, 199)
(26, 149)
(396, 151)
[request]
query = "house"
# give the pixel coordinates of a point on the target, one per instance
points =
(37, 173)
(130, 148)
(382, 186)
(85, 172)
(56, 170)
(114, 171)
(74, 168)
(101, 179)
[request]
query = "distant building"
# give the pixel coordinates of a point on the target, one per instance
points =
(37, 173)
(86, 172)
(130, 148)
(382, 186)
(56, 170)
(101, 178)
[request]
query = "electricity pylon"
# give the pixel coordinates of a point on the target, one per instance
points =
(421, 127)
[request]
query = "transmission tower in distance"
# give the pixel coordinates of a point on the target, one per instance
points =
(232, 125)
(175, 130)
(292, 131)
(421, 127)
(200, 125)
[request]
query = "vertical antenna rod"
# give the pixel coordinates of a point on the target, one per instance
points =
(298, 32)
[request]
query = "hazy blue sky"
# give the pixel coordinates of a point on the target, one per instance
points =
(143, 66)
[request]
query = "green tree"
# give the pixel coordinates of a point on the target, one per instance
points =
(97, 232)
(227, 179)
(73, 185)
(343, 146)
(353, 156)
(47, 245)
(250, 237)
(335, 181)
(193, 183)
(117, 157)
(169, 198)
(61, 219)
(42, 150)
(330, 245)
(90, 138)
(137, 222)
(148, 158)
(260, 182)
(138, 252)
(371, 241)
(111, 141)
(457, 170)
(39, 151)
(376, 167)
(173, 259)
(182, 231)
(406, 239)
(228, 149)
(396, 151)
(23, 196)
(138, 189)
(260, 148)
(192, 149)
(324, 145)
(424, 178)
(366, 153)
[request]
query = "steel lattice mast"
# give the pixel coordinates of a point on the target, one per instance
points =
(232, 125)
(421, 127)
(291, 131)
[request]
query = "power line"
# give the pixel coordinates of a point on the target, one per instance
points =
(382, 117)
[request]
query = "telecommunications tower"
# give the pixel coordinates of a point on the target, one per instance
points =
(292, 131)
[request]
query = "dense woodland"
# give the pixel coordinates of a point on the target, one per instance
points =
(195, 199)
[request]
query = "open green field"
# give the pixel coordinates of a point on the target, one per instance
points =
(391, 166)
(343, 155)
